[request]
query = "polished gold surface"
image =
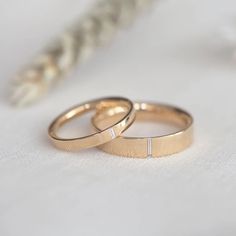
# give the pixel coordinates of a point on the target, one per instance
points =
(156, 146)
(116, 104)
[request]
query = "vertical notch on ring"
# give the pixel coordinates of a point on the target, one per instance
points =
(149, 147)
(112, 133)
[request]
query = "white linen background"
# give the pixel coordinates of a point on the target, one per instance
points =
(169, 55)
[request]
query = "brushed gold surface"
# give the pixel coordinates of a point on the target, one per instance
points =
(143, 147)
(117, 104)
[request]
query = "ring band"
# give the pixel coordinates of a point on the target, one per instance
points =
(150, 146)
(101, 137)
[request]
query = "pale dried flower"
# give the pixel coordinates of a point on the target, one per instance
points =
(77, 44)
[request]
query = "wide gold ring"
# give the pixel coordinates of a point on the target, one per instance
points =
(156, 146)
(102, 136)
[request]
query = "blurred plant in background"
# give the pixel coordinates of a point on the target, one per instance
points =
(75, 45)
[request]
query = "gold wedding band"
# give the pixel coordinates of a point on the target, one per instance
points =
(148, 146)
(103, 135)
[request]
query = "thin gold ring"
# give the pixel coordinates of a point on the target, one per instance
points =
(156, 146)
(100, 137)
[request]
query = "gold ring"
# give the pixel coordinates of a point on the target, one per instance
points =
(149, 146)
(101, 137)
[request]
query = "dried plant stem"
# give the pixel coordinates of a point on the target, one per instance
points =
(93, 30)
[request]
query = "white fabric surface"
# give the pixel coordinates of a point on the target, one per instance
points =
(170, 56)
